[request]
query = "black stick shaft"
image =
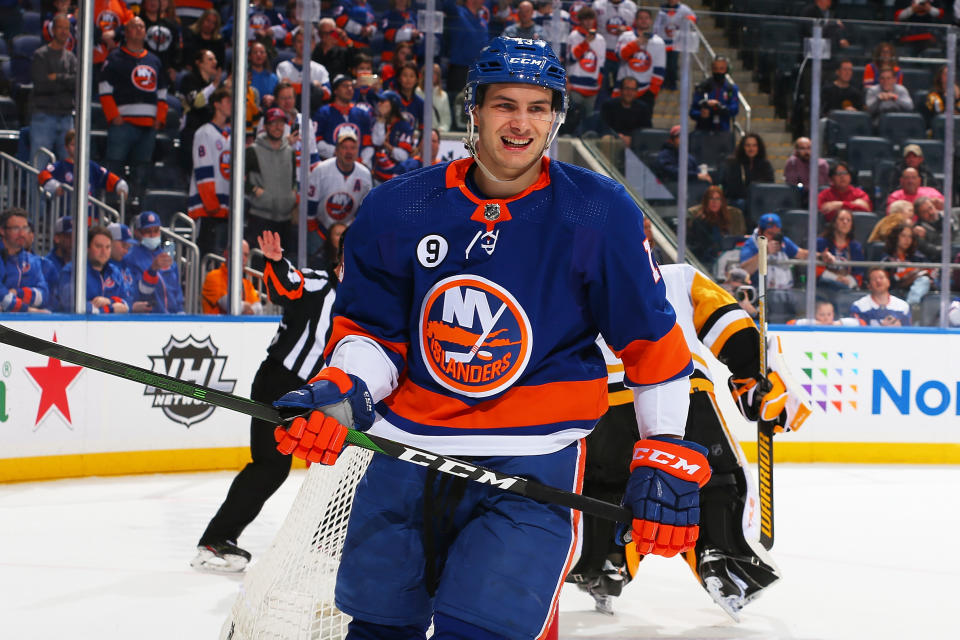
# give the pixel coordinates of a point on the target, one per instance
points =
(445, 464)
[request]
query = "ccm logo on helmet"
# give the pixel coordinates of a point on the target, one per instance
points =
(530, 61)
(665, 459)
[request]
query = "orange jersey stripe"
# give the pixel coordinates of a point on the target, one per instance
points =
(652, 362)
(520, 406)
(342, 327)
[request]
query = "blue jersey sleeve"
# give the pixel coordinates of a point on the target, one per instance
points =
(374, 297)
(628, 299)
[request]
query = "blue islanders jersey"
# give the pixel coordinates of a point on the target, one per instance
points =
(489, 308)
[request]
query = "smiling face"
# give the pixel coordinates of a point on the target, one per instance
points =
(207, 64)
(878, 283)
(514, 122)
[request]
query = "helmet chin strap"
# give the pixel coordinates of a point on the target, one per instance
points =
(470, 142)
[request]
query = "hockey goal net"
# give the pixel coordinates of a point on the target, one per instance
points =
(288, 593)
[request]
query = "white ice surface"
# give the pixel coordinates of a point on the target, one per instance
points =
(865, 552)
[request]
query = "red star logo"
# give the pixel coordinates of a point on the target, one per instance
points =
(53, 381)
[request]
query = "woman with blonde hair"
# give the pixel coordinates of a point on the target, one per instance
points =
(204, 34)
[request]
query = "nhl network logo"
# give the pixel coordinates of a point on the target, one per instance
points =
(193, 361)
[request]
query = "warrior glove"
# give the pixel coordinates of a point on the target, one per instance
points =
(326, 408)
(664, 494)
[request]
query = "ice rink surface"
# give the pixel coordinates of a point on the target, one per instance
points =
(864, 552)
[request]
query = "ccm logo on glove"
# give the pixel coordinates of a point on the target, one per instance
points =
(698, 473)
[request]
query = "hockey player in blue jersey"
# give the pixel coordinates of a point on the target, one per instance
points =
(472, 293)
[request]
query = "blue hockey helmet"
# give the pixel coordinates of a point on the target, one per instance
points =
(516, 60)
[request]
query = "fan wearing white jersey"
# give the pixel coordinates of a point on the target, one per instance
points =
(668, 26)
(209, 199)
(337, 187)
(643, 56)
(292, 70)
(613, 18)
(586, 54)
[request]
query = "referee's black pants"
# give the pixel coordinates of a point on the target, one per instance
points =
(257, 481)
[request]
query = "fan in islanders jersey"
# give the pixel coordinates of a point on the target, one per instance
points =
(728, 560)
(337, 185)
(465, 322)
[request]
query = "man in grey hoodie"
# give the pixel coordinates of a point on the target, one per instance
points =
(54, 73)
(270, 183)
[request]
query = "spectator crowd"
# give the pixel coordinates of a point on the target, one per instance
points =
(164, 101)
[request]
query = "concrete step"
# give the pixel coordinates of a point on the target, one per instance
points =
(757, 111)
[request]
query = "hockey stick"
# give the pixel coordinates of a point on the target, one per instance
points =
(764, 429)
(445, 464)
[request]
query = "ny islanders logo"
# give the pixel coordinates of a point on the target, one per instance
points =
(339, 205)
(225, 163)
(144, 77)
(589, 61)
(474, 336)
(640, 61)
(615, 25)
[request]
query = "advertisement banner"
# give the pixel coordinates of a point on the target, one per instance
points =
(888, 395)
(54, 408)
